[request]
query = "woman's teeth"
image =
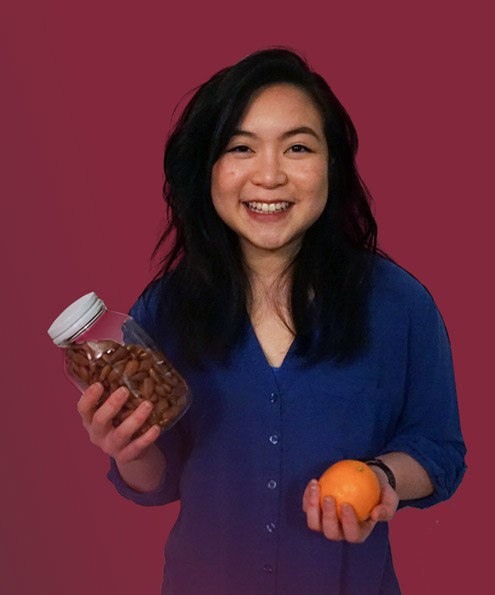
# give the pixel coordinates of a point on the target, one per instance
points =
(264, 207)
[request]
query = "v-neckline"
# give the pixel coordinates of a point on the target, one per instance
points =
(259, 348)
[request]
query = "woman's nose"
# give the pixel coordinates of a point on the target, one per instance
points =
(269, 172)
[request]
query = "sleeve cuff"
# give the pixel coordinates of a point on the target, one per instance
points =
(445, 476)
(163, 494)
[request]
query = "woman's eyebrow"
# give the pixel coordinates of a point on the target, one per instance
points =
(287, 134)
(300, 130)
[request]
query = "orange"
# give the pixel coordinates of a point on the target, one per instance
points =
(352, 482)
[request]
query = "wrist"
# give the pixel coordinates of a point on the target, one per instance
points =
(383, 472)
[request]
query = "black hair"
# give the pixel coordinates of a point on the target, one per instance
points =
(207, 288)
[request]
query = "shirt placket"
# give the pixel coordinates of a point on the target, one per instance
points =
(271, 479)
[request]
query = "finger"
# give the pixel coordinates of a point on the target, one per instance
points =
(306, 495)
(313, 510)
(87, 403)
(330, 521)
(390, 498)
(384, 511)
(353, 530)
(103, 416)
(139, 445)
(123, 433)
(380, 513)
(387, 507)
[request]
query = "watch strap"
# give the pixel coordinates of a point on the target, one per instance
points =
(385, 468)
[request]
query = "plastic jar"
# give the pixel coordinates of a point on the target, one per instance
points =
(109, 347)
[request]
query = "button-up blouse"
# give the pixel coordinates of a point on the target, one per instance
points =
(240, 458)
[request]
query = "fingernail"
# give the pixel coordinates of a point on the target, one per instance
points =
(347, 509)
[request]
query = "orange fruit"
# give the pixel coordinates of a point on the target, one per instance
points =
(352, 482)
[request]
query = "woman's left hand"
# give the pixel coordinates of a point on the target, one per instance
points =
(349, 528)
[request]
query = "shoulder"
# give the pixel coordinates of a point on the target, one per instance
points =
(148, 305)
(403, 309)
(393, 283)
(153, 311)
(398, 297)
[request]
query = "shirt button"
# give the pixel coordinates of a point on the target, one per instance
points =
(272, 484)
(267, 568)
(270, 527)
(273, 398)
(274, 439)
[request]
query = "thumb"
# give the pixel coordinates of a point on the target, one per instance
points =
(380, 513)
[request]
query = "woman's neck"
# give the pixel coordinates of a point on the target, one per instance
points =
(269, 305)
(265, 267)
(270, 281)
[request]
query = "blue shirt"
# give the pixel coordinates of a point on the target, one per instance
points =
(240, 458)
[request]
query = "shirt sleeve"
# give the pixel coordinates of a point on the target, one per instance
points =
(172, 441)
(429, 427)
(172, 445)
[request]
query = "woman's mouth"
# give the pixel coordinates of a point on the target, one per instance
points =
(267, 208)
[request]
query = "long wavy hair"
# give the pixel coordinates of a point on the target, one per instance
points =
(207, 290)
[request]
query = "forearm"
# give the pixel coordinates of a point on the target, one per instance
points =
(144, 474)
(411, 479)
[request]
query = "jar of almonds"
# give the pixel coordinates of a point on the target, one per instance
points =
(104, 346)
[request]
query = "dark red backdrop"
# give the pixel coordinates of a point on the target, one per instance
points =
(88, 91)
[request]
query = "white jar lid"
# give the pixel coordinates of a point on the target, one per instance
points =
(76, 318)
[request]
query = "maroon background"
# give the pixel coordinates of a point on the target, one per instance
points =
(88, 91)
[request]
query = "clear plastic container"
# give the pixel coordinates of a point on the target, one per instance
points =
(109, 347)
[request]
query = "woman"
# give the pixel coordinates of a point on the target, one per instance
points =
(302, 346)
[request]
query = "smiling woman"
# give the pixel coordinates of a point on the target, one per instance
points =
(271, 183)
(274, 127)
(275, 305)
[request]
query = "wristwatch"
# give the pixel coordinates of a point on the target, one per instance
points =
(386, 469)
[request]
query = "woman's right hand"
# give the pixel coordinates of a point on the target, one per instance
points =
(116, 442)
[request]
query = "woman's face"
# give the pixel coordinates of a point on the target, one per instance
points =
(271, 182)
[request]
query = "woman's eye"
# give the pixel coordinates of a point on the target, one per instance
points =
(300, 149)
(239, 149)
